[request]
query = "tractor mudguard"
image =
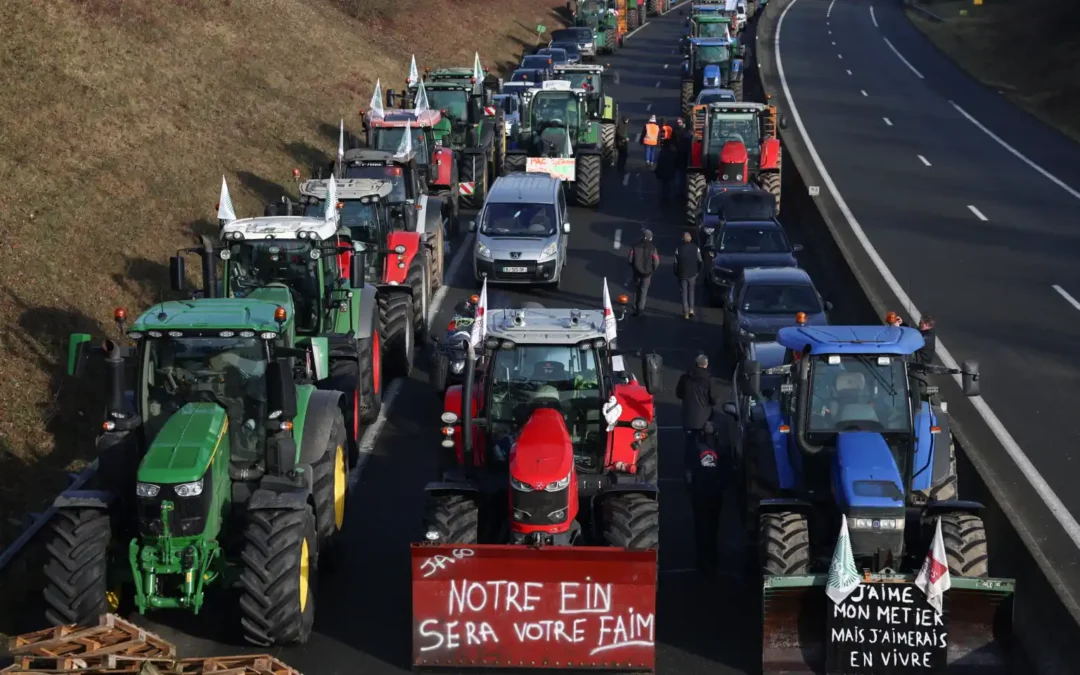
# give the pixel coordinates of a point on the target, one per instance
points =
(625, 486)
(396, 265)
(770, 153)
(273, 500)
(548, 607)
(609, 109)
(364, 310)
(784, 504)
(953, 506)
(583, 150)
(452, 487)
(323, 405)
(442, 161)
(85, 499)
(430, 209)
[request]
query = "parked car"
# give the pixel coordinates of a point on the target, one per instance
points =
(573, 52)
(539, 62)
(713, 95)
(766, 299)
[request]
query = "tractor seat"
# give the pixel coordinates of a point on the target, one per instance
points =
(849, 381)
(856, 412)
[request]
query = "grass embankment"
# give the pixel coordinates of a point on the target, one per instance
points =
(1029, 50)
(119, 119)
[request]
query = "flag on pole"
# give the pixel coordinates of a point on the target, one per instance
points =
(477, 69)
(330, 213)
(225, 211)
(568, 149)
(376, 104)
(405, 146)
(420, 104)
(479, 327)
(609, 316)
(843, 576)
(341, 141)
(933, 578)
(414, 73)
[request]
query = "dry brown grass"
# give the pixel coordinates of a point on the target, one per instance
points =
(1027, 49)
(119, 118)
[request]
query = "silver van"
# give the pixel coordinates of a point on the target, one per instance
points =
(522, 231)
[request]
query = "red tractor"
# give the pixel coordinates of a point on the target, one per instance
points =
(550, 495)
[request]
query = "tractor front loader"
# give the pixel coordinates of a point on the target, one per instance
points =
(717, 126)
(854, 439)
(602, 108)
(548, 502)
(219, 471)
(557, 137)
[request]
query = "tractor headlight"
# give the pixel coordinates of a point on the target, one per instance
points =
(457, 367)
(188, 489)
(639, 423)
(147, 490)
(880, 524)
(558, 485)
(549, 250)
(519, 486)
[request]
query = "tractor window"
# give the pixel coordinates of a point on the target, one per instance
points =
(389, 140)
(254, 264)
(555, 110)
(362, 220)
(579, 80)
(230, 372)
(742, 127)
(454, 103)
(391, 173)
(712, 30)
(712, 54)
(859, 393)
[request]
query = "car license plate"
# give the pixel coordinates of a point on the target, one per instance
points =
(515, 270)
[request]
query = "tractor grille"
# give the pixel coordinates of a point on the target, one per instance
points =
(867, 542)
(187, 519)
(540, 507)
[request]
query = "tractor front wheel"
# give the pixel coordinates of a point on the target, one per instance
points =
(587, 180)
(396, 319)
(440, 371)
(474, 169)
(632, 521)
(648, 456)
(607, 140)
(784, 538)
(279, 576)
(611, 40)
(330, 477)
(695, 190)
(965, 545)
(76, 571)
(454, 517)
(417, 280)
(516, 163)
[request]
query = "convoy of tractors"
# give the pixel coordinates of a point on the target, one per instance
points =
(234, 417)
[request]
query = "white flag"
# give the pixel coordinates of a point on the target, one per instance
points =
(477, 69)
(609, 316)
(843, 576)
(376, 104)
(414, 73)
(341, 141)
(330, 213)
(420, 104)
(404, 148)
(479, 327)
(933, 578)
(225, 210)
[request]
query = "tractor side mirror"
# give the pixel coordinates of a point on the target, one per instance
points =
(281, 390)
(177, 276)
(78, 343)
(969, 378)
(730, 410)
(783, 121)
(652, 373)
(566, 228)
(358, 265)
(751, 374)
(828, 306)
(796, 248)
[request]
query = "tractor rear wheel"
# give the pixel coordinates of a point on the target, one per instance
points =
(474, 169)
(632, 19)
(607, 140)
(76, 569)
(587, 183)
(279, 576)
(648, 457)
(418, 281)
(965, 545)
(345, 377)
(784, 538)
(611, 38)
(516, 163)
(686, 93)
(440, 371)
(948, 488)
(737, 89)
(631, 520)
(455, 517)
(396, 320)
(369, 359)
(330, 478)
(695, 190)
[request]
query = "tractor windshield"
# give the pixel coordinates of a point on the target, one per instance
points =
(712, 29)
(580, 80)
(258, 263)
(361, 220)
(389, 139)
(227, 371)
(711, 54)
(555, 376)
(390, 173)
(454, 103)
(741, 127)
(555, 109)
(859, 393)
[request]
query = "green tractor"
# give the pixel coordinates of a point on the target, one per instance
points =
(594, 15)
(219, 470)
(602, 108)
(707, 25)
(712, 63)
(557, 131)
(635, 14)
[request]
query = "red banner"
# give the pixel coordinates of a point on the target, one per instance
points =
(522, 607)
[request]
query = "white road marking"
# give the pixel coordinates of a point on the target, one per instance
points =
(863, 92)
(1046, 174)
(834, 44)
(924, 160)
(450, 273)
(1068, 298)
(658, 84)
(839, 56)
(978, 213)
(901, 57)
(872, 17)
(666, 66)
(849, 72)
(371, 434)
(626, 180)
(830, 32)
(1049, 497)
(887, 121)
(618, 235)
(828, 12)
(631, 33)
(648, 107)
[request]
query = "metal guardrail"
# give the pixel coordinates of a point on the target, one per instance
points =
(922, 10)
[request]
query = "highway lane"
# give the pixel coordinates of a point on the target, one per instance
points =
(974, 234)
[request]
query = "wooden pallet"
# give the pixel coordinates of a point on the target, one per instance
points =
(258, 664)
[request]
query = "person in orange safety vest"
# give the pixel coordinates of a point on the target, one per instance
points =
(650, 138)
(665, 130)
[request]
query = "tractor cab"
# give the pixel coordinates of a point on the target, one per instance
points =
(429, 142)
(711, 62)
(556, 115)
(706, 25)
(590, 79)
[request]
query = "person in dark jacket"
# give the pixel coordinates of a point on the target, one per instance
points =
(622, 143)
(643, 262)
(699, 394)
(708, 471)
(682, 143)
(666, 168)
(925, 355)
(688, 264)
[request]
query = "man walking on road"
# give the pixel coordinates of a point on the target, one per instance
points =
(700, 396)
(708, 471)
(650, 138)
(682, 140)
(622, 143)
(688, 264)
(643, 262)
(666, 167)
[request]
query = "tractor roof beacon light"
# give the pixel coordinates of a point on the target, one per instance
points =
(800, 318)
(120, 316)
(280, 315)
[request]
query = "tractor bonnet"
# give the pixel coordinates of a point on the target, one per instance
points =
(278, 227)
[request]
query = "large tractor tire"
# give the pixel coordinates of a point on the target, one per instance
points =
(695, 191)
(474, 169)
(633, 20)
(950, 487)
(587, 185)
(440, 372)
(631, 520)
(396, 319)
(330, 478)
(345, 377)
(279, 576)
(607, 140)
(770, 181)
(686, 95)
(455, 517)
(784, 538)
(611, 40)
(516, 163)
(648, 457)
(737, 89)
(653, 8)
(965, 545)
(419, 281)
(76, 569)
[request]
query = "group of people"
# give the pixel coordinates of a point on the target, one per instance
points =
(644, 261)
(667, 149)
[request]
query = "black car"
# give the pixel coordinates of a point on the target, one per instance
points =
(528, 76)
(559, 56)
(539, 62)
(765, 299)
(730, 247)
(573, 52)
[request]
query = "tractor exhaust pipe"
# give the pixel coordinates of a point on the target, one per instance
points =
(209, 268)
(114, 375)
(466, 408)
(802, 411)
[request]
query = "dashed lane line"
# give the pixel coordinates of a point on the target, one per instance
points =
(924, 160)
(873, 17)
(978, 213)
(1068, 298)
(887, 121)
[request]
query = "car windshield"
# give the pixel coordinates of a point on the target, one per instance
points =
(551, 106)
(230, 372)
(522, 75)
(576, 35)
(391, 173)
(558, 56)
(734, 206)
(740, 127)
(859, 393)
(726, 96)
(518, 220)
(362, 220)
(711, 54)
(536, 61)
(779, 299)
(389, 139)
(570, 48)
(751, 240)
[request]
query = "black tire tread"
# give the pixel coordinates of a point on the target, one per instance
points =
(695, 190)
(784, 538)
(965, 545)
(76, 566)
(395, 318)
(686, 94)
(455, 517)
(587, 183)
(950, 487)
(323, 485)
(477, 176)
(415, 280)
(607, 140)
(632, 521)
(516, 162)
(648, 469)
